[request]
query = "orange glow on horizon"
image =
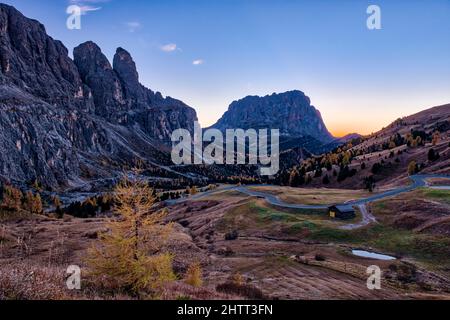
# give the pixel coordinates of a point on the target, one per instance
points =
(339, 134)
(342, 132)
(362, 127)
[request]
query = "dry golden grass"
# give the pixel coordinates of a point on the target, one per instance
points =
(313, 196)
(181, 291)
(23, 281)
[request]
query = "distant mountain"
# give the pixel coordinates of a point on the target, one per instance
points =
(290, 112)
(349, 137)
(336, 143)
(64, 122)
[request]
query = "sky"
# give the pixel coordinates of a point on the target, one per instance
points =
(209, 53)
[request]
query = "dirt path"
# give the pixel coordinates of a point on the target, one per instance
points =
(367, 218)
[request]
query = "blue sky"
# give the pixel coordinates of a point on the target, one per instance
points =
(359, 79)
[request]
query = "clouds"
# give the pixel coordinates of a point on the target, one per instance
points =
(85, 9)
(87, 6)
(170, 47)
(167, 47)
(83, 2)
(198, 62)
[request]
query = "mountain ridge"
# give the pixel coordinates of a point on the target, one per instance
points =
(66, 121)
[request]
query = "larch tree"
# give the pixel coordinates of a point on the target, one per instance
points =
(436, 137)
(33, 203)
(412, 168)
(193, 190)
(12, 198)
(130, 255)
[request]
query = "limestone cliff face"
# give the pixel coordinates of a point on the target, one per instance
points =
(65, 121)
(290, 112)
(120, 98)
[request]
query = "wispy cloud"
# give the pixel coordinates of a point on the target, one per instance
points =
(88, 1)
(170, 47)
(133, 26)
(198, 62)
(87, 5)
(85, 9)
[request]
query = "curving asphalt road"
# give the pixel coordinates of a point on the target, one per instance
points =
(418, 181)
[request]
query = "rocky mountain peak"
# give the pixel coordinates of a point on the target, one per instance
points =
(89, 59)
(125, 67)
(97, 73)
(290, 112)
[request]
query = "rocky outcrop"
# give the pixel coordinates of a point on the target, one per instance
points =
(65, 122)
(120, 98)
(127, 72)
(290, 112)
(39, 65)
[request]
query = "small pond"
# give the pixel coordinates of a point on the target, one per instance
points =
(372, 255)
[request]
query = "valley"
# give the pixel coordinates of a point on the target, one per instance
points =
(287, 253)
(87, 179)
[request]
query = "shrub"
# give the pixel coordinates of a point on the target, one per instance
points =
(319, 257)
(407, 273)
(237, 278)
(369, 183)
(433, 155)
(376, 168)
(344, 173)
(194, 275)
(233, 235)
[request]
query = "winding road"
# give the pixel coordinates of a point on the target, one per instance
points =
(418, 181)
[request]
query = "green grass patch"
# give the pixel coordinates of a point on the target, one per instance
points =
(327, 234)
(265, 214)
(380, 205)
(424, 247)
(300, 227)
(315, 213)
(439, 195)
(253, 214)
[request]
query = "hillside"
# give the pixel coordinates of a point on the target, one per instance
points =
(382, 159)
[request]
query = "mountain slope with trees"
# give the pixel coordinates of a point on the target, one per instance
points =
(419, 143)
